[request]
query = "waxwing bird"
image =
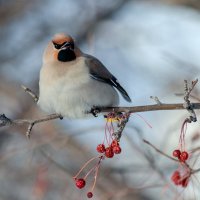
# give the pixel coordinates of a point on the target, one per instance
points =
(72, 82)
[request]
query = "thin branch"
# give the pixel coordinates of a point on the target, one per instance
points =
(4, 121)
(30, 92)
(190, 107)
(194, 150)
(187, 104)
(194, 171)
(156, 99)
(146, 108)
(171, 158)
(159, 151)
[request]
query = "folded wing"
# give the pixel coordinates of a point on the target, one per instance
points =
(99, 72)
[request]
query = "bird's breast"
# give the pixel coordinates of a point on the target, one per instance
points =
(59, 82)
(70, 91)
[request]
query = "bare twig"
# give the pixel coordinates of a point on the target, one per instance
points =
(30, 92)
(4, 121)
(164, 154)
(156, 99)
(187, 104)
(195, 150)
(159, 151)
(145, 108)
(194, 171)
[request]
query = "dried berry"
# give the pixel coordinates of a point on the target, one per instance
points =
(89, 195)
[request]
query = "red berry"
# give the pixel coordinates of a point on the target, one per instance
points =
(184, 182)
(109, 152)
(184, 156)
(80, 183)
(114, 143)
(101, 148)
(117, 149)
(89, 195)
(176, 178)
(177, 153)
(175, 175)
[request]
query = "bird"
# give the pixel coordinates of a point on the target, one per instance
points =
(74, 84)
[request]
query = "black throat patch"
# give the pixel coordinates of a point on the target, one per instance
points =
(66, 55)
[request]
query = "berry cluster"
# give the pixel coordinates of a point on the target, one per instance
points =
(81, 182)
(182, 156)
(180, 180)
(181, 177)
(113, 148)
(108, 152)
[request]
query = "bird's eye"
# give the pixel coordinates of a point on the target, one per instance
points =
(57, 46)
(72, 45)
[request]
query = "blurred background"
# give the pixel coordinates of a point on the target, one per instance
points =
(150, 46)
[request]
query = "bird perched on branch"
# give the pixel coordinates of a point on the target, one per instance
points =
(73, 83)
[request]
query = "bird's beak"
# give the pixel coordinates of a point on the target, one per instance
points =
(67, 45)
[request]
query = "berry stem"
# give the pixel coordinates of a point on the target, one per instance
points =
(111, 130)
(92, 169)
(106, 134)
(148, 124)
(84, 166)
(96, 173)
(182, 135)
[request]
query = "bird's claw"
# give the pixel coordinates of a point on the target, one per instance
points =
(95, 111)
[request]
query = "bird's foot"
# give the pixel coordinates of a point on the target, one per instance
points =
(95, 111)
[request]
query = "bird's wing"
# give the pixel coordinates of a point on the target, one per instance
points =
(99, 72)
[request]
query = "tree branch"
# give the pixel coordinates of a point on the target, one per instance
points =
(4, 121)
(187, 105)
(164, 154)
(145, 108)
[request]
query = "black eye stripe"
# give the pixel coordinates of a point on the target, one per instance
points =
(58, 46)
